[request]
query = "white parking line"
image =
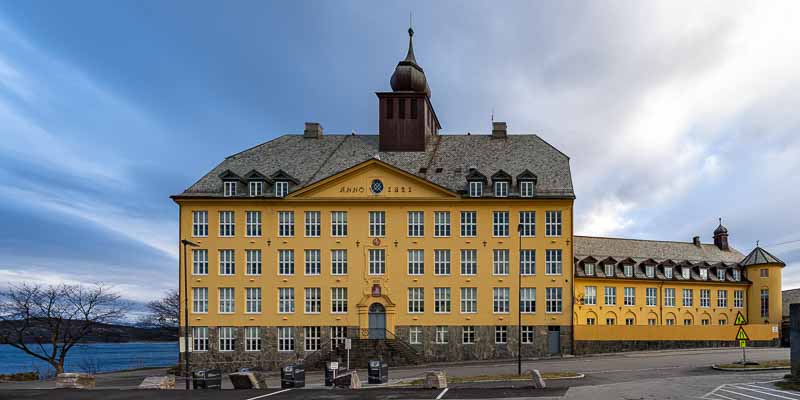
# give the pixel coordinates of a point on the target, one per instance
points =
(797, 395)
(717, 396)
(268, 394)
(742, 394)
(766, 393)
(442, 394)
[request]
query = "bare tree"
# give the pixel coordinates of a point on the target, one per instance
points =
(164, 312)
(46, 321)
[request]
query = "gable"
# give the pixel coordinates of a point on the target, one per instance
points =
(373, 180)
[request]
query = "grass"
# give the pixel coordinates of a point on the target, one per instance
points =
(761, 364)
(788, 385)
(502, 377)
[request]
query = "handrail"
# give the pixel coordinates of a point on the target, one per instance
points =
(364, 332)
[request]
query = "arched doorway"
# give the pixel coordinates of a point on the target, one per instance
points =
(377, 321)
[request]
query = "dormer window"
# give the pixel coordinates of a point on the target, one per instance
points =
(686, 272)
(230, 188)
(609, 270)
(256, 188)
(501, 189)
(628, 269)
(475, 189)
(720, 274)
(281, 188)
(650, 271)
(526, 189)
(588, 268)
(668, 272)
(704, 273)
(737, 275)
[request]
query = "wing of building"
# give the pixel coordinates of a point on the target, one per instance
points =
(425, 247)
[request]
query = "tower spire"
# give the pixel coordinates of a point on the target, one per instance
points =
(410, 56)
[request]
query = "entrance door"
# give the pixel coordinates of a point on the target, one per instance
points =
(554, 340)
(377, 321)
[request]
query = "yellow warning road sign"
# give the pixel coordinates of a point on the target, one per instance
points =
(742, 335)
(743, 343)
(739, 319)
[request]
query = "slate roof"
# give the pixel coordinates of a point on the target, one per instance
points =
(790, 296)
(313, 159)
(761, 256)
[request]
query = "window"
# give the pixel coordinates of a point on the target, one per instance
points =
(377, 261)
(610, 296)
(687, 321)
(416, 300)
(313, 266)
(527, 223)
(281, 188)
(527, 262)
(285, 223)
(611, 321)
(377, 224)
(252, 300)
(285, 262)
(200, 338)
(230, 188)
(441, 262)
(401, 109)
(441, 300)
(526, 189)
(720, 274)
(227, 263)
(253, 225)
(651, 321)
(500, 299)
(763, 273)
(199, 262)
(469, 300)
(442, 334)
(468, 335)
(668, 272)
(527, 300)
(252, 338)
(650, 271)
(687, 297)
(500, 223)
(469, 262)
(738, 298)
(737, 275)
(416, 262)
(389, 108)
(285, 338)
(629, 296)
(338, 262)
(705, 322)
(590, 321)
(199, 223)
(226, 223)
(590, 295)
(338, 336)
(311, 338)
(338, 300)
(553, 300)
(686, 272)
(552, 223)
(227, 338)
(413, 107)
(723, 322)
(415, 335)
(285, 300)
(416, 223)
(500, 334)
(256, 188)
(226, 301)
(553, 262)
(705, 298)
(200, 300)
(253, 266)
(628, 270)
(312, 223)
(651, 297)
(501, 189)
(629, 321)
(722, 298)
(441, 223)
(469, 223)
(527, 334)
(338, 223)
(313, 300)
(704, 273)
(475, 189)
(670, 321)
(500, 261)
(764, 303)
(588, 269)
(609, 269)
(669, 297)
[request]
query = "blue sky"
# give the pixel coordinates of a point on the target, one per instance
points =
(674, 114)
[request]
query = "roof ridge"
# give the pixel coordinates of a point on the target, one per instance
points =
(322, 164)
(641, 240)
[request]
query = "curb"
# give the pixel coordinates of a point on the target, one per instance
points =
(578, 376)
(718, 368)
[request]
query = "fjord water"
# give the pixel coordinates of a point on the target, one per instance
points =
(95, 357)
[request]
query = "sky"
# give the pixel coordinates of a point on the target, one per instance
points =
(674, 113)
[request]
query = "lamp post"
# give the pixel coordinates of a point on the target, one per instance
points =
(519, 303)
(185, 243)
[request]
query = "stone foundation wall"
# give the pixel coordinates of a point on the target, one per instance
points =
(615, 346)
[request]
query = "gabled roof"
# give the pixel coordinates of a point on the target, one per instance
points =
(527, 176)
(229, 175)
(254, 175)
(281, 175)
(475, 175)
(601, 247)
(501, 176)
(761, 256)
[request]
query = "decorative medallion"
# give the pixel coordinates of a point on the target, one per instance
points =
(376, 186)
(376, 290)
(376, 242)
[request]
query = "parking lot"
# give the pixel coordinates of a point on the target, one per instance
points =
(750, 391)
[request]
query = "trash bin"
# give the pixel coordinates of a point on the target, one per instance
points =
(378, 372)
(329, 372)
(207, 379)
(293, 376)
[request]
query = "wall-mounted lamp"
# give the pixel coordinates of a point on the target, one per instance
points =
(358, 243)
(395, 243)
(269, 242)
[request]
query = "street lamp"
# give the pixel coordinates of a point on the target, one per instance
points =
(519, 303)
(185, 243)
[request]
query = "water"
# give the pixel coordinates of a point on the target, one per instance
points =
(94, 357)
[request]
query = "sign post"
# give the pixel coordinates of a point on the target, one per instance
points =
(334, 366)
(741, 335)
(348, 344)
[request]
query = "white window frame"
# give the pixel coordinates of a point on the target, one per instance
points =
(377, 261)
(252, 224)
(415, 335)
(442, 334)
(227, 338)
(441, 224)
(441, 262)
(469, 262)
(588, 269)
(669, 297)
(227, 262)
(227, 224)
(285, 223)
(339, 300)
(501, 189)
(705, 298)
(527, 262)
(703, 273)
(722, 298)
(469, 300)
(229, 188)
(339, 223)
(227, 300)
(252, 338)
(737, 274)
(590, 295)
(651, 297)
(526, 188)
(527, 223)
(527, 300)
(627, 270)
(285, 338)
(285, 300)
(468, 334)
(281, 188)
(313, 223)
(313, 300)
(200, 300)
(500, 262)
(416, 300)
(552, 223)
(199, 261)
(253, 262)
(377, 223)
(668, 272)
(738, 299)
(554, 300)
(475, 189)
(200, 338)
(252, 300)
(285, 262)
(501, 334)
(416, 261)
(256, 188)
(200, 223)
(650, 271)
(610, 296)
(687, 298)
(553, 262)
(629, 296)
(610, 267)
(686, 272)
(441, 300)
(469, 223)
(500, 222)
(720, 274)
(501, 300)
(339, 262)
(416, 224)
(313, 262)
(338, 336)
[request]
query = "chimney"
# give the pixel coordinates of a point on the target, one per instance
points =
(313, 130)
(499, 130)
(696, 241)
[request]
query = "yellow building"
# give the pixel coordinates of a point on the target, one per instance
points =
(420, 246)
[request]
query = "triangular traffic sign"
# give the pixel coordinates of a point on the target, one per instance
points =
(740, 319)
(742, 335)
